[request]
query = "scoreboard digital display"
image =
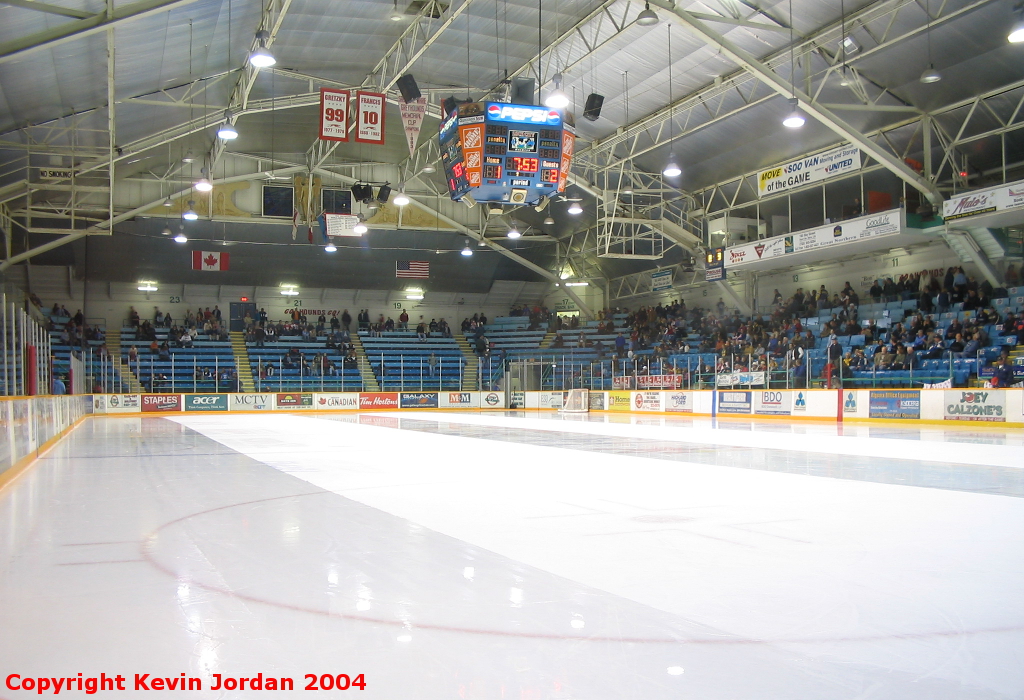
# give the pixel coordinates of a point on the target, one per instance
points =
(511, 154)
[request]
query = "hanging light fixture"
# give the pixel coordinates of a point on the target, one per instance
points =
(188, 157)
(513, 233)
(166, 231)
(360, 228)
(396, 15)
(227, 130)
(647, 16)
(575, 208)
(261, 56)
(330, 248)
(557, 99)
(168, 202)
(428, 169)
(204, 184)
(401, 199)
(795, 119)
(467, 251)
(189, 214)
(290, 290)
(1016, 34)
(672, 168)
(549, 221)
(930, 75)
(181, 237)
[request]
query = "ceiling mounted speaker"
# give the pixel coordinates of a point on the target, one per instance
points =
(408, 87)
(448, 105)
(524, 91)
(384, 193)
(362, 193)
(593, 108)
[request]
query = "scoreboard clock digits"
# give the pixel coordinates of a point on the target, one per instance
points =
(549, 176)
(492, 172)
(523, 165)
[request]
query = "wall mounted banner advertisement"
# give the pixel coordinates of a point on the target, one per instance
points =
(336, 401)
(679, 402)
(161, 403)
(874, 226)
(552, 399)
(895, 403)
(984, 202)
(734, 402)
(206, 402)
(124, 403)
(773, 403)
(619, 401)
(647, 401)
(661, 280)
(418, 400)
(252, 402)
(300, 401)
(459, 399)
(805, 171)
(493, 399)
(597, 401)
(988, 405)
(378, 399)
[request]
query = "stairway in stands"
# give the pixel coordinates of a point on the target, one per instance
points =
(365, 370)
(133, 386)
(470, 375)
(548, 339)
(241, 353)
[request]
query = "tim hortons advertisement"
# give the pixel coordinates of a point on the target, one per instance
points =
(124, 403)
(378, 400)
(295, 401)
(773, 403)
(420, 399)
(252, 402)
(647, 401)
(161, 403)
(206, 402)
(679, 401)
(988, 405)
(459, 399)
(337, 401)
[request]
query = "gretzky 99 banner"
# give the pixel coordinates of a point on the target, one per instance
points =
(334, 114)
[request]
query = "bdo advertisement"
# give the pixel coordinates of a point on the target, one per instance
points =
(773, 403)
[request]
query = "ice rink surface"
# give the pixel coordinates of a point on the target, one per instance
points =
(522, 557)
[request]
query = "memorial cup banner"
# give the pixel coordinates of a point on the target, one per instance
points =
(413, 114)
(805, 171)
(370, 117)
(334, 114)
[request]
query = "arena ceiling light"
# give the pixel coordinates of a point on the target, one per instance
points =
(147, 286)
(575, 208)
(414, 294)
(360, 228)
(168, 202)
(1016, 34)
(227, 130)
(290, 290)
(930, 75)
(166, 231)
(672, 169)
(204, 184)
(190, 213)
(331, 248)
(557, 99)
(401, 199)
(396, 14)
(647, 16)
(181, 237)
(428, 169)
(795, 119)
(261, 56)
(467, 251)
(188, 157)
(549, 221)
(577, 284)
(513, 233)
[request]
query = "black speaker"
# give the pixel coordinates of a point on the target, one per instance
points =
(384, 193)
(362, 193)
(448, 105)
(408, 87)
(593, 109)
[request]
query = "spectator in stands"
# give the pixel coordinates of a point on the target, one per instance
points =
(421, 330)
(935, 350)
(158, 317)
(901, 360)
(1003, 375)
(216, 312)
(403, 320)
(346, 319)
(876, 292)
(133, 316)
(432, 364)
(351, 359)
(59, 388)
(971, 347)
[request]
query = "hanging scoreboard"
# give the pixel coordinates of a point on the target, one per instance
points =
(504, 153)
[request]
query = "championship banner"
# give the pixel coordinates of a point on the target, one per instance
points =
(805, 171)
(341, 225)
(334, 114)
(370, 117)
(413, 114)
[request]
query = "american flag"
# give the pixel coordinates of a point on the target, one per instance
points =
(412, 269)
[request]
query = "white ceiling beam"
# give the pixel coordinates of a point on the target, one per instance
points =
(44, 7)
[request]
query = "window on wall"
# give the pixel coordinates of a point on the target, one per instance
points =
(278, 201)
(336, 201)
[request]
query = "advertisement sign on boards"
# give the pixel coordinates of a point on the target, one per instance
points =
(375, 400)
(894, 403)
(336, 401)
(206, 402)
(124, 403)
(679, 401)
(988, 405)
(773, 403)
(418, 399)
(734, 401)
(252, 402)
(293, 401)
(619, 401)
(161, 403)
(646, 401)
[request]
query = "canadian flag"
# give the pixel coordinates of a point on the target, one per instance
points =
(207, 260)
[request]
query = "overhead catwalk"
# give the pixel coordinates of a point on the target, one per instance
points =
(518, 556)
